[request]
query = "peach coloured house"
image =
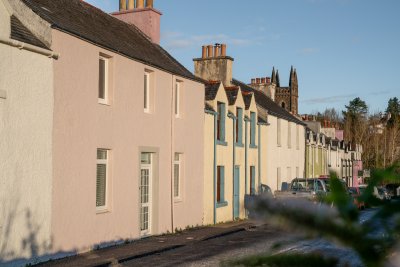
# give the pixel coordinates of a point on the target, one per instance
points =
(120, 137)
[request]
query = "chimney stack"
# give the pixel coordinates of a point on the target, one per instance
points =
(145, 17)
(253, 81)
(263, 80)
(214, 65)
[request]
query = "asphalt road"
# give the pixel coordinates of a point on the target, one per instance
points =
(261, 239)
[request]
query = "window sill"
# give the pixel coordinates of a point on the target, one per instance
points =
(178, 200)
(102, 210)
(222, 143)
(222, 204)
(253, 146)
(239, 144)
(104, 103)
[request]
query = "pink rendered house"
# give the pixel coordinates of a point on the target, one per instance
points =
(127, 133)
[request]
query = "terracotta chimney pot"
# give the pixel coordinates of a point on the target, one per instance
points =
(210, 51)
(223, 50)
(139, 3)
(122, 5)
(149, 3)
(204, 51)
(131, 4)
(216, 51)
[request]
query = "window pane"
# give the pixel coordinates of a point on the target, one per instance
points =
(146, 158)
(101, 185)
(218, 184)
(177, 98)
(101, 154)
(176, 180)
(146, 91)
(102, 78)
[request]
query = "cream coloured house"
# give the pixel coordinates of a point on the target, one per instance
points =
(241, 139)
(231, 131)
(101, 130)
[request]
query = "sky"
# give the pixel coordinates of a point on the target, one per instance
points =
(341, 49)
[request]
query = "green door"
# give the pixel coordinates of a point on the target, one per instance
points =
(236, 193)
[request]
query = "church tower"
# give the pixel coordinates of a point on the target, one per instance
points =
(287, 97)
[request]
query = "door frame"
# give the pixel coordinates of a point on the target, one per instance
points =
(148, 167)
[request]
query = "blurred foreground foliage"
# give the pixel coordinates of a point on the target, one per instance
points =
(374, 240)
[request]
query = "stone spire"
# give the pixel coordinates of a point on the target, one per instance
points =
(273, 76)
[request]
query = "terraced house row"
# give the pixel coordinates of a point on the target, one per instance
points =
(105, 137)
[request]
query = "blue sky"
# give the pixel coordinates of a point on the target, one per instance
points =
(341, 49)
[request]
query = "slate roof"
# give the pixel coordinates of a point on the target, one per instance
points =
(20, 33)
(93, 25)
(211, 90)
(232, 93)
(268, 104)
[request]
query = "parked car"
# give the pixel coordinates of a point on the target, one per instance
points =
(308, 188)
(379, 192)
(384, 194)
(393, 190)
(355, 193)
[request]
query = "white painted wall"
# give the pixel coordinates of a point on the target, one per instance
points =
(285, 157)
(26, 123)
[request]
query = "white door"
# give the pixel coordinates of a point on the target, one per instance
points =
(145, 199)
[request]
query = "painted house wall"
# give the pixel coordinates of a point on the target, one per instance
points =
(26, 124)
(208, 199)
(81, 125)
(283, 157)
(224, 157)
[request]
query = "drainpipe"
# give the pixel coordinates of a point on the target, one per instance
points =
(234, 118)
(28, 47)
(259, 154)
(246, 121)
(214, 164)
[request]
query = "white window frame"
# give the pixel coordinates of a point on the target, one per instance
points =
(107, 163)
(179, 163)
(146, 91)
(177, 100)
(279, 141)
(105, 100)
